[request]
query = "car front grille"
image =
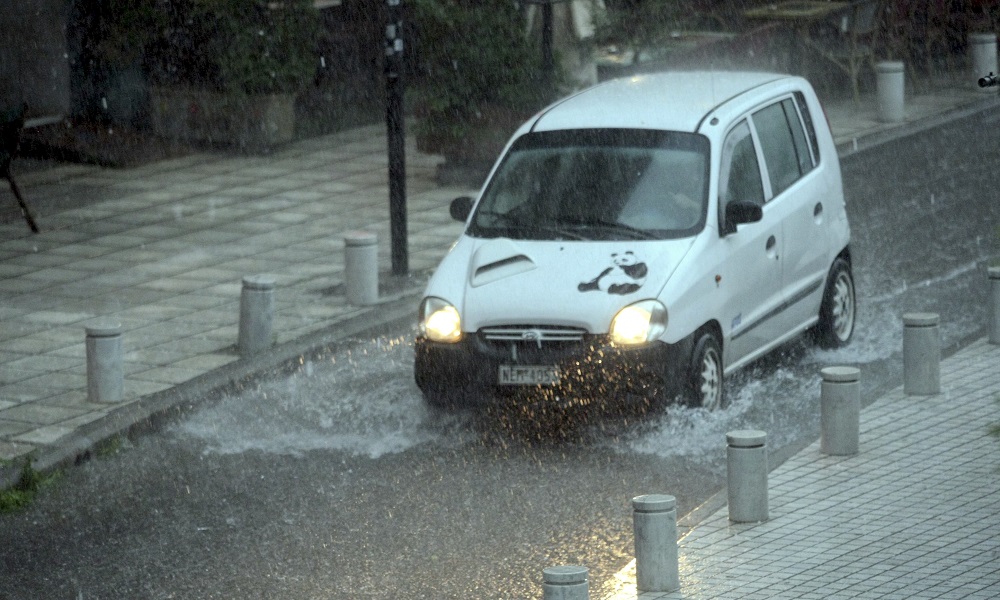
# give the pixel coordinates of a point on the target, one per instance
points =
(537, 335)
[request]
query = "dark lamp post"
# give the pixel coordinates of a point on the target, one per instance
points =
(548, 60)
(396, 135)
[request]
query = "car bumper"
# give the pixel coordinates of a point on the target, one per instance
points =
(593, 369)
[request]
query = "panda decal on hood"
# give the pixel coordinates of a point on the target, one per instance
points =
(625, 275)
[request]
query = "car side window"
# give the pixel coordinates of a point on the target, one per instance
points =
(739, 177)
(798, 137)
(807, 122)
(783, 143)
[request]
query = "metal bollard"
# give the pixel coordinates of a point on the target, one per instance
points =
(890, 87)
(840, 410)
(256, 314)
(746, 476)
(921, 354)
(995, 293)
(105, 369)
(565, 583)
(361, 267)
(654, 521)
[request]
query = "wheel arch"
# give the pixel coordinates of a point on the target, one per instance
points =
(715, 328)
(844, 254)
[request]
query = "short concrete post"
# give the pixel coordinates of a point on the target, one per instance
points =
(746, 476)
(983, 49)
(654, 521)
(565, 583)
(840, 410)
(361, 267)
(921, 354)
(105, 363)
(995, 304)
(890, 86)
(256, 314)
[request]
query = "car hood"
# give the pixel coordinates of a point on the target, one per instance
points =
(565, 283)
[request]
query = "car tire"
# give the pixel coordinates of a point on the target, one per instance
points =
(705, 383)
(838, 311)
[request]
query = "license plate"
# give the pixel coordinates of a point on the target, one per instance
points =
(527, 375)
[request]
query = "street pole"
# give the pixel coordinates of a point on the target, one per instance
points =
(548, 60)
(396, 136)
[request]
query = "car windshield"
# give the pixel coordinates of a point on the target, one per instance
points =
(604, 184)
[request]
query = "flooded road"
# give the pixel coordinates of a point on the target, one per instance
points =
(334, 480)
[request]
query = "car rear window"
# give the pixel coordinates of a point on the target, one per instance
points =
(597, 184)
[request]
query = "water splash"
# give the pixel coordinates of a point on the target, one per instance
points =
(361, 401)
(765, 398)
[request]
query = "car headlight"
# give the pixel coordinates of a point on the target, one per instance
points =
(439, 321)
(639, 323)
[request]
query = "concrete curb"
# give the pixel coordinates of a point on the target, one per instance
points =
(155, 410)
(891, 133)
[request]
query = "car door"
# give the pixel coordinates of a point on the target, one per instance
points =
(797, 202)
(751, 273)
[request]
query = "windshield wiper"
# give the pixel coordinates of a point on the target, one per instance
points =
(635, 232)
(558, 230)
(520, 228)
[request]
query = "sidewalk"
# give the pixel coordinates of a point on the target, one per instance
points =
(163, 248)
(913, 515)
(164, 253)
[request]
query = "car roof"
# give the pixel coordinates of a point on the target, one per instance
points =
(675, 101)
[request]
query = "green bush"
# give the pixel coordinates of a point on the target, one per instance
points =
(124, 29)
(474, 57)
(243, 46)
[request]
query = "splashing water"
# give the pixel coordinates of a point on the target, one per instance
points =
(773, 402)
(362, 401)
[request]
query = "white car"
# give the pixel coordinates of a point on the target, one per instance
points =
(644, 238)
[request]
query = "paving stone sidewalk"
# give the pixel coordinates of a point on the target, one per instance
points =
(163, 253)
(915, 514)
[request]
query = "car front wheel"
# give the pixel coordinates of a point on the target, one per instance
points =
(705, 389)
(838, 310)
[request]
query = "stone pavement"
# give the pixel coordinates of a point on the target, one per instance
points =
(915, 514)
(162, 250)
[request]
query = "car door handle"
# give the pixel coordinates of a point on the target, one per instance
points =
(771, 249)
(818, 209)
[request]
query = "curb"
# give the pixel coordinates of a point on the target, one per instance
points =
(893, 132)
(153, 411)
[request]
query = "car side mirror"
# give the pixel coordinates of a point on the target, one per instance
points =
(738, 213)
(460, 208)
